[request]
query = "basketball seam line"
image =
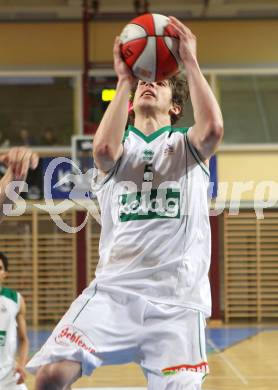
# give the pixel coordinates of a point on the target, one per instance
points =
(172, 55)
(148, 36)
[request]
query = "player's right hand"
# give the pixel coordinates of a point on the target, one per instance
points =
(122, 70)
(19, 160)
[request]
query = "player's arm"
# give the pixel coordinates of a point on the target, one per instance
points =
(108, 148)
(207, 132)
(18, 161)
(23, 342)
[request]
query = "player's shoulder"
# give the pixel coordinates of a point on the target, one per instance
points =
(10, 294)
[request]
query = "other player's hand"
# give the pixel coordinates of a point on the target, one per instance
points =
(188, 41)
(19, 160)
(20, 374)
(122, 70)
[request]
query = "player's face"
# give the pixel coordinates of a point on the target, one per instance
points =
(153, 95)
(3, 273)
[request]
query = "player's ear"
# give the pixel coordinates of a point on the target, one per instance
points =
(175, 109)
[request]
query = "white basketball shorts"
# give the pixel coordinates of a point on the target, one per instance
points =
(104, 328)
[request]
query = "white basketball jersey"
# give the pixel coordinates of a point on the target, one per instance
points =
(155, 238)
(9, 308)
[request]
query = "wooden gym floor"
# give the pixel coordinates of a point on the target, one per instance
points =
(241, 358)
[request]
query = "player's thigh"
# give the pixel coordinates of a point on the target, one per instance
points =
(179, 381)
(173, 341)
(63, 373)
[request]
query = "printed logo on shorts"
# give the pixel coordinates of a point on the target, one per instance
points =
(201, 367)
(69, 335)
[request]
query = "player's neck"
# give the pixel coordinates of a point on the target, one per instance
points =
(147, 125)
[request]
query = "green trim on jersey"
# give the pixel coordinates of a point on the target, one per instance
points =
(155, 134)
(200, 344)
(151, 137)
(126, 134)
(182, 130)
(9, 293)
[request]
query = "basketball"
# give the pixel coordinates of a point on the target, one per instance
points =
(150, 47)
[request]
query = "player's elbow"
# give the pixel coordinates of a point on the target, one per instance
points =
(102, 151)
(214, 131)
(104, 157)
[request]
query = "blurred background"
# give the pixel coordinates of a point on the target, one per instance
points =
(56, 80)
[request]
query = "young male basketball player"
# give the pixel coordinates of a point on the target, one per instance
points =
(12, 324)
(12, 306)
(151, 293)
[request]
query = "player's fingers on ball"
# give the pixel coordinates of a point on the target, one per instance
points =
(178, 24)
(179, 31)
(177, 27)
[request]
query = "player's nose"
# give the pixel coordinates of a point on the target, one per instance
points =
(150, 83)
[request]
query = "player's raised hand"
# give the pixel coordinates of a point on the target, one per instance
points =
(188, 41)
(122, 70)
(19, 160)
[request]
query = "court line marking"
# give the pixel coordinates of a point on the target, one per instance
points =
(235, 370)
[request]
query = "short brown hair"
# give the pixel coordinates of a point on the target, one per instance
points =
(180, 94)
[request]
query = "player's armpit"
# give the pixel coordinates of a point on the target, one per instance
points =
(100, 178)
(206, 141)
(105, 159)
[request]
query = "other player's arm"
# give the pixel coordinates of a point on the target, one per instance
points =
(18, 161)
(108, 148)
(23, 346)
(207, 132)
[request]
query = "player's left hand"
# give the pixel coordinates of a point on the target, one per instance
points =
(20, 373)
(19, 160)
(188, 41)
